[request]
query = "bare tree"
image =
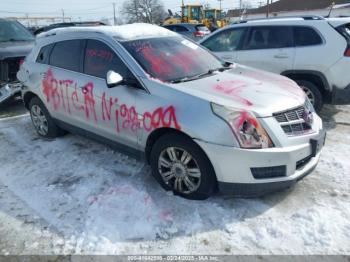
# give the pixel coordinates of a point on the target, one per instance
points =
(146, 11)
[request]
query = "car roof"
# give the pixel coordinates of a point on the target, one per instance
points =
(285, 19)
(122, 33)
(337, 21)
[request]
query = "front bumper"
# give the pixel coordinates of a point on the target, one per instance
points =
(9, 90)
(341, 96)
(234, 167)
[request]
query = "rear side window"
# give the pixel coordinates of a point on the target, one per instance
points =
(225, 41)
(269, 37)
(100, 58)
(169, 27)
(306, 36)
(345, 31)
(180, 29)
(44, 54)
(66, 54)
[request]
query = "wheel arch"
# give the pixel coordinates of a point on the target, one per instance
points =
(27, 97)
(156, 134)
(315, 77)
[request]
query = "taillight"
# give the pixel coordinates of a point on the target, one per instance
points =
(21, 61)
(198, 34)
(347, 52)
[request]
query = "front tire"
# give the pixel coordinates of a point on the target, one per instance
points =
(42, 121)
(313, 93)
(181, 166)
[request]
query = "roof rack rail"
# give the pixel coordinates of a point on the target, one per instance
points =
(306, 17)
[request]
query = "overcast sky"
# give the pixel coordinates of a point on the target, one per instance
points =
(88, 9)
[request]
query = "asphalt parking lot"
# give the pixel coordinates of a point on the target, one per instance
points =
(74, 196)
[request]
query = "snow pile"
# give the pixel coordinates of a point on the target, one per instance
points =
(72, 195)
(111, 210)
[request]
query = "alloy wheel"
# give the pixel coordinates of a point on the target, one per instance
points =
(39, 120)
(309, 94)
(179, 170)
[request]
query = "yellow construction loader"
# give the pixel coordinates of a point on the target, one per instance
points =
(195, 14)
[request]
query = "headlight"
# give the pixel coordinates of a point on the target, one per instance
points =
(245, 127)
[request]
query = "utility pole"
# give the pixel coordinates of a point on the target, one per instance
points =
(268, 9)
(220, 4)
(27, 16)
(114, 18)
(240, 7)
(63, 15)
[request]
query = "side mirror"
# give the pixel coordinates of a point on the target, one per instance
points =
(113, 79)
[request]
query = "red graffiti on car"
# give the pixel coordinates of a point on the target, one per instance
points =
(233, 89)
(66, 96)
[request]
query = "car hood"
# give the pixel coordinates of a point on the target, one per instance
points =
(15, 49)
(245, 88)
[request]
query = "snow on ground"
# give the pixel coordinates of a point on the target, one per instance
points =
(74, 196)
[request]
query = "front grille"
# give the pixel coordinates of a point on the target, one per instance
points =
(293, 123)
(269, 172)
(9, 68)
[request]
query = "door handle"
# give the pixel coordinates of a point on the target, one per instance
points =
(281, 56)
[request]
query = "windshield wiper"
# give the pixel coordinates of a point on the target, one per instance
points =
(226, 66)
(187, 79)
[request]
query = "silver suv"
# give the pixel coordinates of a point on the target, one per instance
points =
(313, 51)
(202, 124)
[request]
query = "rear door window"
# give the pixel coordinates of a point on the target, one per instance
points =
(67, 54)
(306, 36)
(269, 37)
(225, 41)
(100, 58)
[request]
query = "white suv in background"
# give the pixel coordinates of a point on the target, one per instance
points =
(313, 51)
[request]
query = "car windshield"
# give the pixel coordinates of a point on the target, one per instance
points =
(172, 58)
(13, 31)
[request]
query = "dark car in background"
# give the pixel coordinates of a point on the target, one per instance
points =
(15, 43)
(192, 31)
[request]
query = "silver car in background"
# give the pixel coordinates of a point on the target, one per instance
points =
(195, 32)
(202, 124)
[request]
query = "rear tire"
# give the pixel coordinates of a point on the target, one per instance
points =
(42, 121)
(313, 93)
(180, 165)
